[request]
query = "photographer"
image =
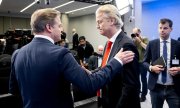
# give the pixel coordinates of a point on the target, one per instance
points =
(141, 44)
(138, 39)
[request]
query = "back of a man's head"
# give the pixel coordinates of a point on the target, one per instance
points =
(40, 18)
(74, 30)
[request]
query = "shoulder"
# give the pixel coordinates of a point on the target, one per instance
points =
(154, 41)
(89, 45)
(61, 50)
(173, 40)
(125, 39)
(58, 51)
(92, 58)
(145, 38)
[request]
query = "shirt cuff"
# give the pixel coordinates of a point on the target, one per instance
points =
(150, 68)
(120, 61)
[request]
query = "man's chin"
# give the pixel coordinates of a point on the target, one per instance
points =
(101, 33)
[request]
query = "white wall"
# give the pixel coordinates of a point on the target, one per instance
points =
(128, 26)
(86, 26)
(152, 12)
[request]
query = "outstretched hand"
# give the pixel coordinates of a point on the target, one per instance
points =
(125, 56)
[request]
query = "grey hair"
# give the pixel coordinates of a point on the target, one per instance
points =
(111, 12)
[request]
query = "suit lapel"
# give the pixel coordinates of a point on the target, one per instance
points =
(155, 49)
(173, 46)
(116, 46)
(158, 47)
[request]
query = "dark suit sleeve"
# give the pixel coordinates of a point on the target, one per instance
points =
(147, 57)
(88, 83)
(130, 80)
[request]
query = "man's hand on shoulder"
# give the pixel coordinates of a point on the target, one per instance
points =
(125, 56)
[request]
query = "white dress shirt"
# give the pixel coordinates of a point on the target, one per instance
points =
(169, 80)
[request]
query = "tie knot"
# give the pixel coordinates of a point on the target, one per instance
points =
(164, 42)
(109, 43)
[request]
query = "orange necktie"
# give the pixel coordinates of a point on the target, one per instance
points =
(106, 54)
(104, 61)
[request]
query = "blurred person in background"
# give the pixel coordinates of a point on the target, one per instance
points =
(75, 39)
(141, 43)
(84, 51)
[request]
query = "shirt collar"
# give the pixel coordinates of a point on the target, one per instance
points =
(168, 40)
(45, 37)
(112, 39)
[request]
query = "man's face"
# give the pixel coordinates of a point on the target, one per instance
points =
(100, 50)
(164, 30)
(103, 24)
(56, 29)
(62, 43)
(82, 42)
(136, 32)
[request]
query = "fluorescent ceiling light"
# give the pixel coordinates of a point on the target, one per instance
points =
(124, 6)
(35, 1)
(63, 5)
(81, 8)
(0, 2)
(124, 10)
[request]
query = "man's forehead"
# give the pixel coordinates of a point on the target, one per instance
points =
(164, 25)
(100, 47)
(99, 15)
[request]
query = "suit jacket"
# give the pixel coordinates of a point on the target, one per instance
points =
(152, 53)
(93, 61)
(75, 41)
(123, 90)
(42, 73)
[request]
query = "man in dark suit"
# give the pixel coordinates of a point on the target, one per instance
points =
(123, 91)
(75, 38)
(41, 72)
(163, 84)
(96, 59)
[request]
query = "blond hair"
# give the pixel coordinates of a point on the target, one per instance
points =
(41, 17)
(111, 12)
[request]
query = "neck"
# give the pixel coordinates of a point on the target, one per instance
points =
(112, 32)
(44, 34)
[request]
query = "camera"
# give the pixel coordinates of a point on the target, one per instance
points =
(133, 35)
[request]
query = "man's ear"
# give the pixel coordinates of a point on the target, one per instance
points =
(48, 27)
(112, 21)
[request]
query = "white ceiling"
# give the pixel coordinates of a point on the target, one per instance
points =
(13, 7)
